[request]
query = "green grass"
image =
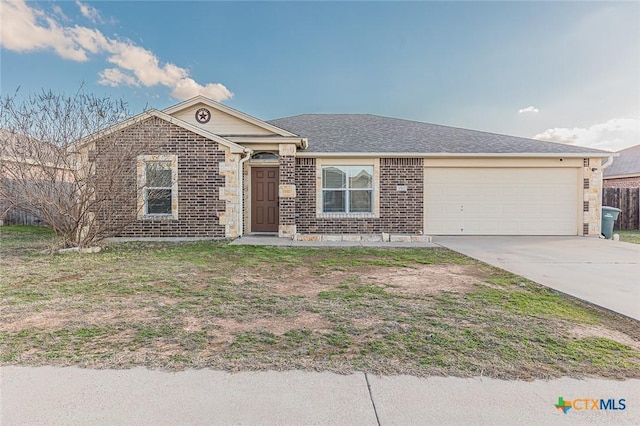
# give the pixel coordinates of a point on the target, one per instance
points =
(30, 238)
(208, 304)
(535, 301)
(629, 236)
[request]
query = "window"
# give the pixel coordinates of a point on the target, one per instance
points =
(158, 184)
(347, 189)
(264, 156)
(157, 192)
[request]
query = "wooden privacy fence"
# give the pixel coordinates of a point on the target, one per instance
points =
(20, 217)
(627, 200)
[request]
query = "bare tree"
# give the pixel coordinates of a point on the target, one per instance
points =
(49, 147)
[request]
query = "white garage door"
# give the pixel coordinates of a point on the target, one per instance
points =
(501, 201)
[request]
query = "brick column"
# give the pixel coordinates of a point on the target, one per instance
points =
(229, 193)
(287, 191)
(592, 198)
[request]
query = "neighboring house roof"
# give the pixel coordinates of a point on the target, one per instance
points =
(627, 163)
(366, 133)
(21, 148)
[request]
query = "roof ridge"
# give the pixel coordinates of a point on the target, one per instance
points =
(437, 125)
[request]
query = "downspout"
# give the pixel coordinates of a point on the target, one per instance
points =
(247, 152)
(608, 163)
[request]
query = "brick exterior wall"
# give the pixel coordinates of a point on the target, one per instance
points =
(628, 182)
(400, 212)
(199, 180)
(287, 193)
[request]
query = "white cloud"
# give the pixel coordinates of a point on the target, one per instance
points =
(187, 88)
(59, 12)
(89, 12)
(613, 135)
(114, 77)
(144, 64)
(528, 109)
(26, 29)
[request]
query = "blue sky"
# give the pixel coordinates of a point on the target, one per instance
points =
(561, 71)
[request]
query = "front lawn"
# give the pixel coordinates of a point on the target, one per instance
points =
(629, 236)
(210, 305)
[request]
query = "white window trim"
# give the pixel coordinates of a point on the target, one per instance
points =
(142, 160)
(325, 162)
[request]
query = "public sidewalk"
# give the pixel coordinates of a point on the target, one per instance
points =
(74, 396)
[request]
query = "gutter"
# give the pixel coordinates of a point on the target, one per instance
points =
(450, 155)
(608, 163)
(248, 152)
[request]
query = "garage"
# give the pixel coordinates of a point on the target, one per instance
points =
(511, 200)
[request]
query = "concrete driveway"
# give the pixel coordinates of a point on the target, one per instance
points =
(603, 272)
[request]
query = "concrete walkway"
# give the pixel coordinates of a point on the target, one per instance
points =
(603, 272)
(251, 240)
(73, 396)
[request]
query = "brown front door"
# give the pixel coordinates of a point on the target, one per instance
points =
(264, 199)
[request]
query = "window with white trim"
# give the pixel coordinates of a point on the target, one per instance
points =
(347, 189)
(158, 185)
(157, 191)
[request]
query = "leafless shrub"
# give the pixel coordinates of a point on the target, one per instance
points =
(48, 155)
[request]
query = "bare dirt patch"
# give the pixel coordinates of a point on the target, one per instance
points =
(300, 281)
(49, 319)
(228, 328)
(428, 279)
(582, 331)
(418, 280)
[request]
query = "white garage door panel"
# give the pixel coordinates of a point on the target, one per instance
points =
(501, 201)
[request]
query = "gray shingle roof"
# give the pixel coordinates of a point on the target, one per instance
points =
(372, 133)
(627, 163)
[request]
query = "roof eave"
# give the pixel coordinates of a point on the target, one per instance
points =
(451, 154)
(233, 147)
(297, 140)
(622, 176)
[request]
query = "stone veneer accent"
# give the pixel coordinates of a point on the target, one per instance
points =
(199, 180)
(287, 190)
(400, 212)
(593, 196)
(229, 193)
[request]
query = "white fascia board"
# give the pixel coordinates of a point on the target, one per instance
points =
(624, 176)
(228, 110)
(268, 139)
(452, 155)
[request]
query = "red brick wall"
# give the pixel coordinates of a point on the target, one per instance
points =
(287, 177)
(400, 212)
(629, 182)
(198, 180)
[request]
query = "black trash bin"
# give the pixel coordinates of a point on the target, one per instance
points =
(609, 216)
